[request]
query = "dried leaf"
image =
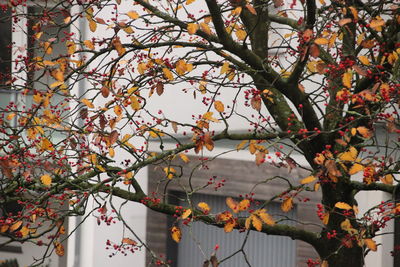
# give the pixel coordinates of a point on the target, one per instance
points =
(356, 168)
(364, 60)
(133, 14)
(59, 248)
(251, 9)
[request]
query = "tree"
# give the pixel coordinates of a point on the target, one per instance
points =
(314, 78)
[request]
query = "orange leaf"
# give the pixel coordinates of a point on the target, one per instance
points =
(346, 79)
(251, 9)
(232, 204)
(370, 244)
(46, 179)
(133, 14)
(308, 180)
(15, 226)
(356, 168)
(129, 241)
(219, 106)
(204, 207)
(176, 234)
(192, 28)
(59, 248)
(229, 225)
(321, 41)
(287, 204)
(87, 103)
(257, 223)
(186, 213)
(168, 74)
(244, 204)
(343, 206)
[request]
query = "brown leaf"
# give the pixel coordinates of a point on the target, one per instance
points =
(256, 103)
(251, 9)
(361, 71)
(160, 88)
(314, 50)
(129, 241)
(105, 91)
(343, 22)
(114, 137)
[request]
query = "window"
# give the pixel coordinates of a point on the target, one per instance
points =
(240, 177)
(260, 250)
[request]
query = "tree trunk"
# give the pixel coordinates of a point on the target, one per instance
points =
(352, 257)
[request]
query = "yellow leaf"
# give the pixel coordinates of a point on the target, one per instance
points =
(287, 204)
(188, 2)
(370, 244)
(176, 234)
(308, 180)
(343, 206)
(71, 47)
(241, 34)
(59, 248)
(204, 207)
(24, 231)
(244, 204)
(345, 225)
(346, 80)
(92, 25)
(364, 60)
(237, 11)
(111, 152)
(202, 87)
(205, 28)
(350, 155)
(265, 217)
(192, 28)
(232, 204)
(184, 158)
(388, 179)
(356, 168)
(321, 41)
(325, 219)
(169, 172)
(241, 145)
(46, 179)
(208, 116)
(377, 23)
(225, 67)
(181, 67)
(364, 132)
(219, 106)
(4, 228)
(248, 222)
(118, 110)
(45, 144)
(15, 226)
(133, 14)
(88, 44)
(229, 225)
(257, 223)
(87, 103)
(354, 12)
(186, 213)
(142, 67)
(47, 48)
(135, 105)
(167, 74)
(353, 131)
(11, 116)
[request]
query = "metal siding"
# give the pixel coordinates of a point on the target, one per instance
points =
(261, 250)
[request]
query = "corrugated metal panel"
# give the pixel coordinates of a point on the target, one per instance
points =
(199, 241)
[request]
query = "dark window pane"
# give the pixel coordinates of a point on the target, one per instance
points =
(5, 47)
